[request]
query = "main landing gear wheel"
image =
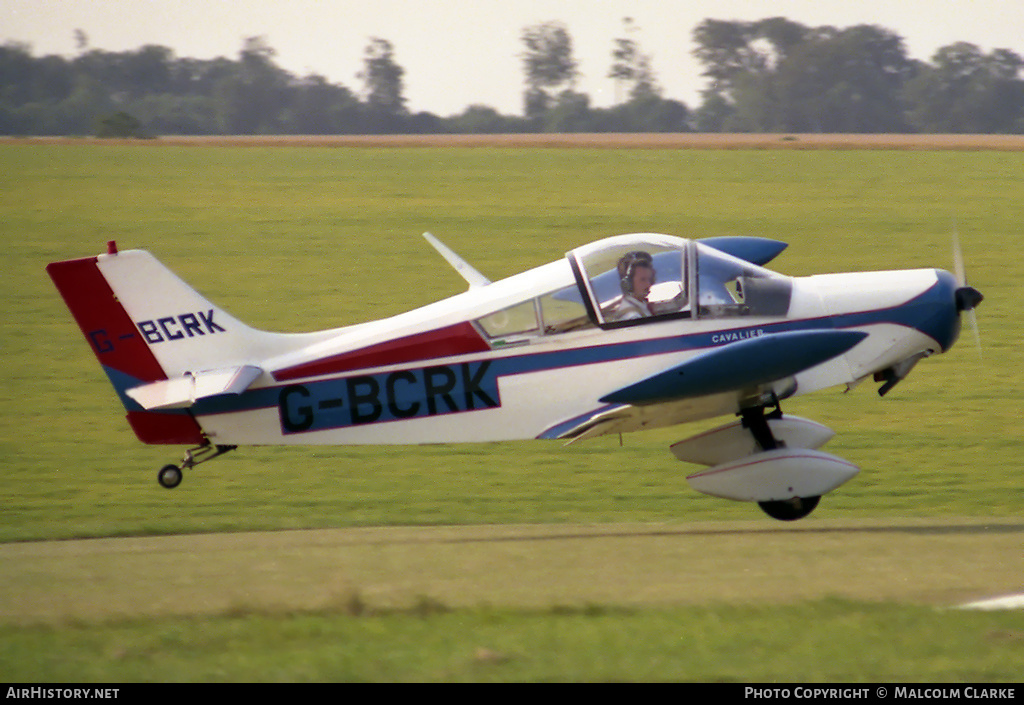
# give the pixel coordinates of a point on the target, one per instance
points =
(790, 509)
(756, 421)
(169, 476)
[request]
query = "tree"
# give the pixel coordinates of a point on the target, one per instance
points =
(483, 119)
(382, 80)
(16, 73)
(725, 49)
(715, 113)
(77, 114)
(624, 59)
(841, 81)
(251, 94)
(316, 107)
(549, 66)
(782, 36)
(120, 124)
(965, 90)
(631, 67)
(147, 71)
(570, 112)
(200, 76)
(652, 113)
(777, 75)
(168, 113)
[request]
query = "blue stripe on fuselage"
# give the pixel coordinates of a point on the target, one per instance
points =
(473, 385)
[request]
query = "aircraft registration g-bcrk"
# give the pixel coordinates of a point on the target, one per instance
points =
(624, 334)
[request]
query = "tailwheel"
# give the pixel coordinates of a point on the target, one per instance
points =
(169, 476)
(790, 509)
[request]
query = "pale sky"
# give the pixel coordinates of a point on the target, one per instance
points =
(459, 52)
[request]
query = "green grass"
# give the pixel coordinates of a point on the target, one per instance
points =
(306, 238)
(824, 641)
(303, 239)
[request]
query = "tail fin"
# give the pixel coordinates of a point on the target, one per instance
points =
(145, 326)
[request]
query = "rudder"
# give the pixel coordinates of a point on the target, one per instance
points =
(162, 344)
(119, 347)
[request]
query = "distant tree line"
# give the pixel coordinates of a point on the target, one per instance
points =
(773, 75)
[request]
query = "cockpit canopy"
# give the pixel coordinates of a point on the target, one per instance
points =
(636, 279)
(631, 278)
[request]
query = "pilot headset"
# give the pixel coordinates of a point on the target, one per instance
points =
(628, 265)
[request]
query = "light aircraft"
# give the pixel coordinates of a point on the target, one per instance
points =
(628, 333)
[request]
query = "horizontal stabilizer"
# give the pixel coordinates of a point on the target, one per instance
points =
(182, 392)
(740, 365)
(756, 250)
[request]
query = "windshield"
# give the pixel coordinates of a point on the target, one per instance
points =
(730, 286)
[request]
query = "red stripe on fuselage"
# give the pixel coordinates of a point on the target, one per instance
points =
(459, 339)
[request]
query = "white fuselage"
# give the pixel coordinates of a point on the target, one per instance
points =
(526, 390)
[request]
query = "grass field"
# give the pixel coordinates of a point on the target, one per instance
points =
(301, 238)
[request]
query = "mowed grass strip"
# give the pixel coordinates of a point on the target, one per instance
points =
(306, 238)
(823, 641)
(523, 566)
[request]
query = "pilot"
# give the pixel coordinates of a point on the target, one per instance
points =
(636, 277)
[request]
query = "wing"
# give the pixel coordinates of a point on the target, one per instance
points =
(710, 384)
(738, 366)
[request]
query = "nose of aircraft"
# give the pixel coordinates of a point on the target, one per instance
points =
(952, 300)
(967, 298)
